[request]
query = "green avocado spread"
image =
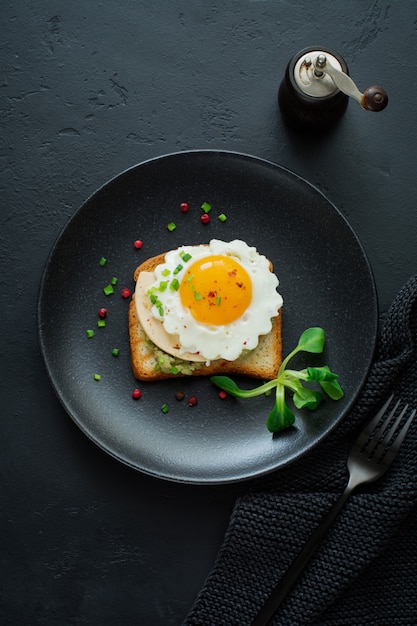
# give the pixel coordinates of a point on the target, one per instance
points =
(169, 364)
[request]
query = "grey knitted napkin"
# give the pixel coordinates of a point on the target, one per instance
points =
(365, 571)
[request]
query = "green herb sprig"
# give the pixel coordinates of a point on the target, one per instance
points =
(311, 340)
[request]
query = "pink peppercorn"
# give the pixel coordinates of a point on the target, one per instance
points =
(125, 292)
(222, 395)
(205, 218)
(136, 394)
(138, 244)
(102, 313)
(184, 207)
(192, 401)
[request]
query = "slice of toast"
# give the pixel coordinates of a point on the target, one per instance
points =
(150, 363)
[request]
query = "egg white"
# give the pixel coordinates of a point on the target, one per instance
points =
(173, 328)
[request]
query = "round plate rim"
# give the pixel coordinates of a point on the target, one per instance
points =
(186, 479)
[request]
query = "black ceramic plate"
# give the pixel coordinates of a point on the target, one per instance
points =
(324, 277)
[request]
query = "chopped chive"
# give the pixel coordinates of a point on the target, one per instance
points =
(174, 370)
(163, 285)
(108, 290)
(103, 261)
(178, 268)
(114, 280)
(166, 272)
(197, 295)
(206, 207)
(97, 376)
(160, 309)
(175, 284)
(164, 408)
(190, 278)
(186, 257)
(171, 226)
(115, 352)
(222, 217)
(153, 298)
(161, 360)
(101, 323)
(218, 301)
(90, 333)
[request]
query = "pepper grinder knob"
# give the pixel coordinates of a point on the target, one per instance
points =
(374, 99)
(316, 87)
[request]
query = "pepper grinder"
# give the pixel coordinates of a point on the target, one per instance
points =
(315, 91)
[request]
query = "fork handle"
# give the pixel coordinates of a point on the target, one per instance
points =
(284, 586)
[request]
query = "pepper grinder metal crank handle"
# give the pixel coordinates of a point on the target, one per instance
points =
(372, 99)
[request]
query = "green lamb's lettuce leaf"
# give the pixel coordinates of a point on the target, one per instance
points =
(281, 416)
(292, 381)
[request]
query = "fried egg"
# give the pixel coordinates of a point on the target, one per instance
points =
(208, 302)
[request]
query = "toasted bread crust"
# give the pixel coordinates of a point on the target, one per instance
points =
(261, 362)
(149, 265)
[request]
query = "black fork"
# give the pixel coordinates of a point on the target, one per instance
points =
(371, 455)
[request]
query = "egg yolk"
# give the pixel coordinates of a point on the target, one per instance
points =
(216, 289)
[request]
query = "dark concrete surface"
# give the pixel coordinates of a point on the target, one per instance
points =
(87, 90)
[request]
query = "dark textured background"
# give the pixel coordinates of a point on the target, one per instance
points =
(87, 90)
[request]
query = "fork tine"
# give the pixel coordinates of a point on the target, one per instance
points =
(395, 446)
(369, 429)
(389, 438)
(376, 430)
